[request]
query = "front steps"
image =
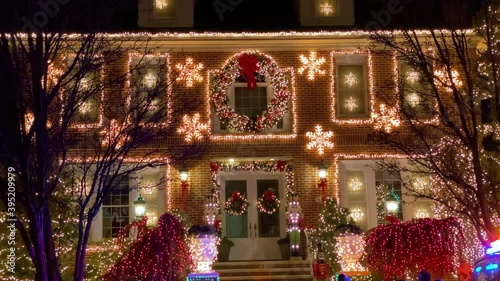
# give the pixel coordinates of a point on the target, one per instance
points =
(264, 270)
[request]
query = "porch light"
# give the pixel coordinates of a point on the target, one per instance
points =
(322, 168)
(140, 207)
(184, 175)
(392, 203)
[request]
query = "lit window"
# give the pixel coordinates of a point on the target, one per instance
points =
(116, 210)
(351, 89)
(356, 198)
(414, 95)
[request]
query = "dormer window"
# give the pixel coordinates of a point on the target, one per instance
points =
(166, 13)
(327, 12)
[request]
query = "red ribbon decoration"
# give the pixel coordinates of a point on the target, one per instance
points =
(281, 165)
(269, 195)
(214, 167)
(323, 183)
(184, 187)
(248, 65)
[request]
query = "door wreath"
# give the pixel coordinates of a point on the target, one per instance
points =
(237, 204)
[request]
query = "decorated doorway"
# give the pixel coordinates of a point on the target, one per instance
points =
(255, 229)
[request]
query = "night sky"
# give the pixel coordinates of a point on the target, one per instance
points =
(250, 15)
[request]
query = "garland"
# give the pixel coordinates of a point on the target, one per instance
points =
(271, 167)
(237, 204)
(246, 65)
(268, 203)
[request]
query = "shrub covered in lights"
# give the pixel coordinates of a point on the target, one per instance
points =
(203, 242)
(333, 221)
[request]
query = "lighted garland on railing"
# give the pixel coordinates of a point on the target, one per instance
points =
(268, 166)
(247, 64)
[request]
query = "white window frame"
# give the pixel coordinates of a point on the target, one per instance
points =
(232, 103)
(368, 167)
(352, 60)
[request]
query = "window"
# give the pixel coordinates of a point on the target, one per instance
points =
(116, 210)
(326, 8)
(351, 89)
(415, 97)
(89, 91)
(365, 190)
(251, 103)
(149, 88)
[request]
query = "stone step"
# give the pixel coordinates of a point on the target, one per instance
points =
(269, 278)
(264, 270)
(261, 264)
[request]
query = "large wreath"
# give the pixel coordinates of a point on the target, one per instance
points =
(250, 65)
(237, 204)
(268, 203)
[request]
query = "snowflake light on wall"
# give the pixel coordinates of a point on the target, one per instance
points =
(313, 64)
(412, 76)
(161, 4)
(319, 140)
(350, 79)
(351, 103)
(84, 84)
(192, 128)
(355, 184)
(190, 72)
(386, 119)
(442, 79)
(413, 99)
(326, 9)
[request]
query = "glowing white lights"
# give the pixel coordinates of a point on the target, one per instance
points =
(422, 213)
(413, 99)
(386, 119)
(161, 4)
(412, 76)
(357, 214)
(355, 184)
(351, 103)
(442, 79)
(203, 251)
(149, 80)
(326, 9)
(313, 64)
(211, 210)
(350, 248)
(350, 79)
(85, 108)
(190, 72)
(115, 135)
(319, 140)
(192, 128)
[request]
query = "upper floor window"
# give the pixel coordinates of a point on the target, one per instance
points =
(326, 12)
(414, 93)
(149, 88)
(352, 100)
(165, 13)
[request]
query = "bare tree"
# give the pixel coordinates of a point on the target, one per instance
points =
(447, 80)
(68, 107)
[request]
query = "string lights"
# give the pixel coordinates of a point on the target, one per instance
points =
(161, 4)
(351, 103)
(386, 119)
(313, 64)
(319, 140)
(326, 9)
(192, 128)
(190, 72)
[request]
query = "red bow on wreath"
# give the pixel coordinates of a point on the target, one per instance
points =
(236, 196)
(269, 195)
(281, 165)
(248, 67)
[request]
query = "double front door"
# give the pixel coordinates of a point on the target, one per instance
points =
(255, 234)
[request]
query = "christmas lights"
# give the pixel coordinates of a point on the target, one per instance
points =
(350, 248)
(351, 103)
(190, 72)
(350, 79)
(326, 9)
(442, 79)
(319, 140)
(386, 119)
(192, 128)
(355, 184)
(161, 4)
(114, 135)
(203, 242)
(268, 203)
(236, 204)
(313, 64)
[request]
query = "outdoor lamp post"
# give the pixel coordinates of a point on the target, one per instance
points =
(140, 207)
(184, 175)
(392, 204)
(322, 168)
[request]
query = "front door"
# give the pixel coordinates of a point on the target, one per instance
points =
(255, 234)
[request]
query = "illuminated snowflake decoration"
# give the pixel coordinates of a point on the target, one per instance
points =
(153, 106)
(421, 213)
(412, 76)
(319, 140)
(386, 119)
(420, 184)
(413, 99)
(85, 108)
(190, 72)
(326, 9)
(357, 214)
(313, 64)
(355, 184)
(350, 79)
(115, 136)
(192, 128)
(149, 80)
(161, 4)
(351, 103)
(442, 79)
